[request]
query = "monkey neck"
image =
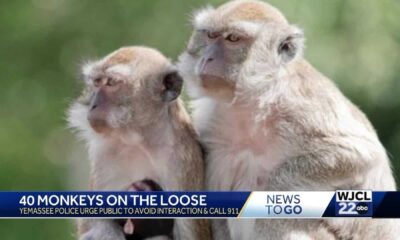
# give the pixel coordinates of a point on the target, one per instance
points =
(160, 131)
(171, 122)
(156, 133)
(262, 88)
(261, 100)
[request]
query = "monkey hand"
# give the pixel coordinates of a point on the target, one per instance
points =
(144, 185)
(144, 228)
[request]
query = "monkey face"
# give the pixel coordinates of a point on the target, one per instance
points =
(214, 58)
(128, 89)
(222, 50)
(219, 61)
(219, 46)
(109, 99)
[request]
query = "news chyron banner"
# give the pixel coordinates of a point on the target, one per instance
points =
(305, 204)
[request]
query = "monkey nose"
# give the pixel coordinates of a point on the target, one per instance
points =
(94, 106)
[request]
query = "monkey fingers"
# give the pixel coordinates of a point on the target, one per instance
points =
(144, 228)
(145, 185)
(129, 227)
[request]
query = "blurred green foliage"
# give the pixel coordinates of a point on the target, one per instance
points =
(42, 43)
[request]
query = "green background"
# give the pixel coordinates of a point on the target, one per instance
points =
(43, 42)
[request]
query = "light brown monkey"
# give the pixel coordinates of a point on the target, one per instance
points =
(136, 129)
(269, 121)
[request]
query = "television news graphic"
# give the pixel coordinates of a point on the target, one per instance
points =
(353, 203)
(122, 205)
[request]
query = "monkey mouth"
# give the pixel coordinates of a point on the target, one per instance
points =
(99, 125)
(97, 120)
(214, 82)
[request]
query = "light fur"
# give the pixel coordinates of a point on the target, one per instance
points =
(287, 128)
(153, 142)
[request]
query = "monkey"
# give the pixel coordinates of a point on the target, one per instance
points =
(269, 121)
(140, 228)
(136, 129)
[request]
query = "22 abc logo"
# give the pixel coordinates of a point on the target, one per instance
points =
(354, 203)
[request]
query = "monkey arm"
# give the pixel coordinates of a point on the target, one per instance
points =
(326, 164)
(196, 229)
(330, 163)
(191, 178)
(101, 229)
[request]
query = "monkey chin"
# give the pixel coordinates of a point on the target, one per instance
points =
(99, 125)
(218, 87)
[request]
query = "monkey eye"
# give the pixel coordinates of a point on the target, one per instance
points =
(112, 82)
(212, 35)
(232, 38)
(97, 81)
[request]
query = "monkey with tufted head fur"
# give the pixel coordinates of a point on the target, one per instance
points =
(139, 137)
(269, 121)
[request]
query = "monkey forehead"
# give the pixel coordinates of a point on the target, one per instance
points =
(123, 70)
(126, 61)
(238, 11)
(129, 55)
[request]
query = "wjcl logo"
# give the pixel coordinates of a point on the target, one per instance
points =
(353, 203)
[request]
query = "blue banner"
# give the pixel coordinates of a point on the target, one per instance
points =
(121, 204)
(303, 204)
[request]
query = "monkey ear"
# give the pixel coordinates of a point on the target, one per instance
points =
(291, 45)
(172, 86)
